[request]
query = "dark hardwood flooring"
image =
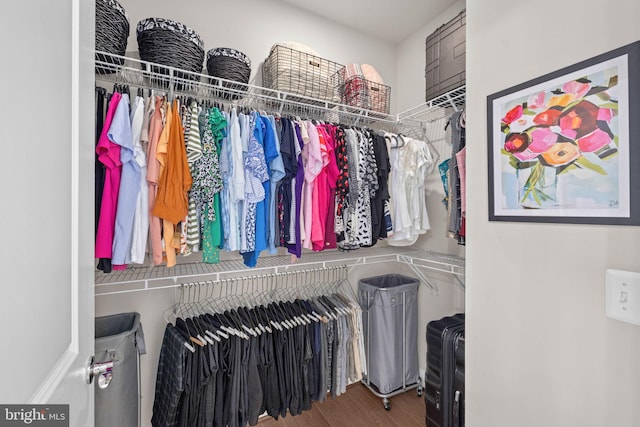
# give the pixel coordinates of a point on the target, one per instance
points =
(358, 407)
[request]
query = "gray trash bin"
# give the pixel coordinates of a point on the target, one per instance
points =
(119, 338)
(390, 322)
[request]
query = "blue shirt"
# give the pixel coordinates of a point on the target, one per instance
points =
(277, 172)
(120, 133)
(264, 136)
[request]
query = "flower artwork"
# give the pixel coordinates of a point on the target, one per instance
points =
(560, 147)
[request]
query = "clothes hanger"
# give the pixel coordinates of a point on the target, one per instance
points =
(244, 323)
(212, 316)
(265, 310)
(279, 315)
(286, 309)
(256, 284)
(190, 314)
(203, 320)
(181, 324)
(196, 317)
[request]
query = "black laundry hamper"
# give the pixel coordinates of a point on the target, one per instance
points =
(119, 338)
(170, 43)
(112, 32)
(390, 326)
(229, 64)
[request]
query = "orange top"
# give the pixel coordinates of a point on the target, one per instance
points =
(175, 179)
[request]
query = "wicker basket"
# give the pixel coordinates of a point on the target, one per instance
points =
(300, 72)
(112, 32)
(170, 43)
(229, 64)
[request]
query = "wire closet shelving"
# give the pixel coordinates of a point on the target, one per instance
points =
(175, 82)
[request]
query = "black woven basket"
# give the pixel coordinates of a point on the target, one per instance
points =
(229, 64)
(112, 32)
(170, 43)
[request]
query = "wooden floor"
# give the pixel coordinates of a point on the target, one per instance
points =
(358, 407)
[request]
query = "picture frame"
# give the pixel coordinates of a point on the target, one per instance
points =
(564, 148)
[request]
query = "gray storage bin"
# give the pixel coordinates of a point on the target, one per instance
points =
(119, 338)
(445, 68)
(390, 321)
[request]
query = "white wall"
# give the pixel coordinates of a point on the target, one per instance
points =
(540, 350)
(253, 26)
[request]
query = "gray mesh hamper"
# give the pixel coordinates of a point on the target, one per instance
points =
(119, 338)
(390, 322)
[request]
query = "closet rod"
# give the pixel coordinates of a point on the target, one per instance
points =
(293, 279)
(272, 286)
(174, 81)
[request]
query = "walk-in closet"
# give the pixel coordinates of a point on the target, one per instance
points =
(539, 348)
(163, 291)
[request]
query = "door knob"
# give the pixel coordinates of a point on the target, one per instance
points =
(102, 370)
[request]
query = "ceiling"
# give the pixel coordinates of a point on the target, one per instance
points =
(391, 20)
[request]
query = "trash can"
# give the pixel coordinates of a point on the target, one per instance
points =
(390, 323)
(118, 338)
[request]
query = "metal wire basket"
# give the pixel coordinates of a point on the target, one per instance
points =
(112, 32)
(302, 73)
(357, 91)
(170, 43)
(229, 64)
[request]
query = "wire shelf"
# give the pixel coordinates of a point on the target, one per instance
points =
(434, 108)
(147, 277)
(173, 82)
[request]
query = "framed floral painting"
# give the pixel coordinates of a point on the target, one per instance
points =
(565, 147)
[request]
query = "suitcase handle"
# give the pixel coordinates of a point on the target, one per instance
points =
(456, 409)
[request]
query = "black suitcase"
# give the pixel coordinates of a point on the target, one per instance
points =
(443, 338)
(458, 390)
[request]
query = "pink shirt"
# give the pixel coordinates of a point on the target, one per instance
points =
(332, 178)
(153, 173)
(311, 170)
(109, 156)
(320, 200)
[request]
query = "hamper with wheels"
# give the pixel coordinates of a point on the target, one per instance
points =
(119, 339)
(390, 325)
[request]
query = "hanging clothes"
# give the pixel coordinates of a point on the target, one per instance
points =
(153, 178)
(379, 229)
(277, 173)
(263, 133)
(175, 178)
(331, 172)
(129, 182)
(141, 214)
(194, 152)
(101, 95)
(249, 182)
(226, 367)
(109, 155)
(207, 182)
(171, 203)
(458, 142)
(411, 160)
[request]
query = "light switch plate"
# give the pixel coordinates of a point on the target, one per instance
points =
(623, 296)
